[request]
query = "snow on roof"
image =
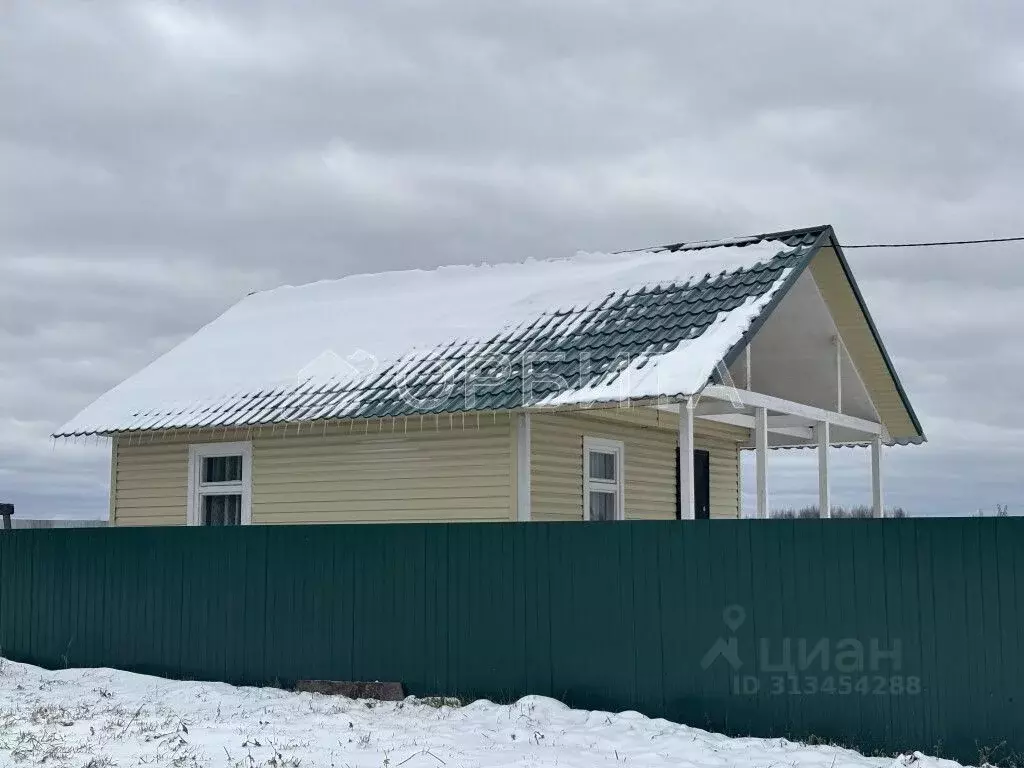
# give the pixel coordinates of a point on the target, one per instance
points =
(408, 342)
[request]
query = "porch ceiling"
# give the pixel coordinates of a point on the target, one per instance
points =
(793, 357)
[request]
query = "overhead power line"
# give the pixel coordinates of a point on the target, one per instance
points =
(933, 243)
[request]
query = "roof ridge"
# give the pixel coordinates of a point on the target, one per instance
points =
(695, 245)
(807, 233)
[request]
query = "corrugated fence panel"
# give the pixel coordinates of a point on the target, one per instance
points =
(884, 635)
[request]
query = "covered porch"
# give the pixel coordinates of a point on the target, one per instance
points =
(805, 378)
(802, 376)
(774, 422)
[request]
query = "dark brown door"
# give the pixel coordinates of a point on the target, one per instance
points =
(701, 485)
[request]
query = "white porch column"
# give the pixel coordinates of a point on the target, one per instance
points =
(824, 497)
(761, 447)
(839, 373)
(686, 490)
(876, 477)
(523, 440)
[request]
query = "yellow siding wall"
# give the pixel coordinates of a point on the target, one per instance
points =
(378, 472)
(444, 475)
(385, 472)
(149, 484)
(650, 439)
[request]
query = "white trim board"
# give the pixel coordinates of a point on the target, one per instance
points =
(617, 447)
(523, 475)
(778, 405)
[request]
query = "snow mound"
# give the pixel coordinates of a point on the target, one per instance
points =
(104, 717)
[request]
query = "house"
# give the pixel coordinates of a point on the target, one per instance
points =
(542, 390)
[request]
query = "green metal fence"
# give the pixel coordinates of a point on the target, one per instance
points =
(884, 635)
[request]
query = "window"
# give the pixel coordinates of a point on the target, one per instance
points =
(219, 483)
(602, 479)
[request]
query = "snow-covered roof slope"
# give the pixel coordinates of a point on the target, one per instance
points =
(597, 327)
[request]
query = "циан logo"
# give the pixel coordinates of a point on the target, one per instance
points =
(728, 649)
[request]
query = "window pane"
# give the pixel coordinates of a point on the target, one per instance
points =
(602, 465)
(213, 510)
(602, 505)
(234, 510)
(222, 469)
(222, 509)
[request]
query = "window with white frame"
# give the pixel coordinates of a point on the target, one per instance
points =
(219, 483)
(602, 479)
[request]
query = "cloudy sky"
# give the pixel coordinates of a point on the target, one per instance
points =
(159, 160)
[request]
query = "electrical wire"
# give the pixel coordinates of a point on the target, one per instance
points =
(934, 243)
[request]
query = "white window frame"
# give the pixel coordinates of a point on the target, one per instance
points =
(199, 451)
(603, 445)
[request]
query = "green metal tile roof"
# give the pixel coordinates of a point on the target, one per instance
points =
(568, 349)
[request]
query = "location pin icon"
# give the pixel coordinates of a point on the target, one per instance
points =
(734, 616)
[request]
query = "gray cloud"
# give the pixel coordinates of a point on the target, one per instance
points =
(158, 160)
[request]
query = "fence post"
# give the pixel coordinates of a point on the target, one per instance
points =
(6, 510)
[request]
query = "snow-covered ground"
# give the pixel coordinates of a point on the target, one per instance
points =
(101, 717)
